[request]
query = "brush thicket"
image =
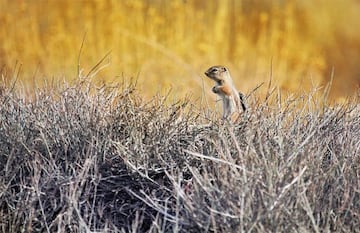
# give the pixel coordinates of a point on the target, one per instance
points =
(86, 158)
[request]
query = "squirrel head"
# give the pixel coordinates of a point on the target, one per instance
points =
(217, 73)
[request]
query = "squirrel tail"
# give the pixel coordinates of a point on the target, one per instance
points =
(242, 101)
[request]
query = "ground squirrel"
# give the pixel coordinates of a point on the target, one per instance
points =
(233, 101)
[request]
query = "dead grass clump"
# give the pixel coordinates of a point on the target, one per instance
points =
(82, 158)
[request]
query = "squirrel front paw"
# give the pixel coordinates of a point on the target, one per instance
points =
(215, 89)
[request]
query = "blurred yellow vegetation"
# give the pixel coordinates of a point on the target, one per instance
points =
(170, 43)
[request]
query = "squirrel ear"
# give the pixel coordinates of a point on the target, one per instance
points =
(224, 69)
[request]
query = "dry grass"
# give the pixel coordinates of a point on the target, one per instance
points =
(171, 43)
(87, 158)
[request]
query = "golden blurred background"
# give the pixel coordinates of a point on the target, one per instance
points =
(169, 44)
